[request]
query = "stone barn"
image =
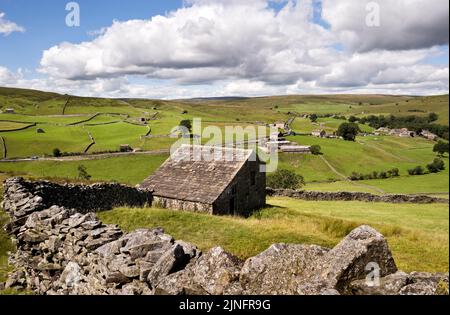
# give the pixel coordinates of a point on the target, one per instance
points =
(214, 180)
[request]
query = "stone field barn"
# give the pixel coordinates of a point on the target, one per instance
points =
(228, 184)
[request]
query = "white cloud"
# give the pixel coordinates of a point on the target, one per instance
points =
(404, 24)
(8, 27)
(8, 77)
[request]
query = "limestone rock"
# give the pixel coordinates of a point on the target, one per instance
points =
(279, 269)
(216, 270)
(349, 260)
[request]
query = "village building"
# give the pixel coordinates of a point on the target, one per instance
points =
(382, 131)
(429, 135)
(403, 133)
(279, 125)
(214, 180)
(319, 133)
(295, 149)
(9, 111)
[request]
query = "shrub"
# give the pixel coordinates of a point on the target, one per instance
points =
(57, 152)
(418, 170)
(432, 117)
(313, 117)
(82, 173)
(285, 179)
(352, 119)
(395, 172)
(441, 148)
(437, 166)
(316, 150)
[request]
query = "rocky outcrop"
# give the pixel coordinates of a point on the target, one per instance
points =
(352, 196)
(62, 251)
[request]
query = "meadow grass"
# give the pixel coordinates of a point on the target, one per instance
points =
(125, 169)
(28, 142)
(413, 231)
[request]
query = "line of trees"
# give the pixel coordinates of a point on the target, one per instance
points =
(412, 122)
(438, 165)
(395, 172)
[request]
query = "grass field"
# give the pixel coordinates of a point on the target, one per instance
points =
(413, 231)
(128, 170)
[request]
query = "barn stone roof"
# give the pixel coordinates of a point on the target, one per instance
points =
(185, 176)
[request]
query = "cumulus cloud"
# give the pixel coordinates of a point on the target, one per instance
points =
(224, 38)
(8, 27)
(233, 47)
(403, 24)
(8, 77)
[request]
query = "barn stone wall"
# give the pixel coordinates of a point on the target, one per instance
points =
(248, 196)
(182, 205)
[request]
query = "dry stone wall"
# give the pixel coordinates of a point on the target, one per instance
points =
(353, 196)
(62, 250)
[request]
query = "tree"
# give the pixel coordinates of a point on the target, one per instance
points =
(348, 131)
(313, 118)
(285, 179)
(187, 124)
(352, 119)
(57, 152)
(82, 173)
(437, 166)
(316, 149)
(395, 172)
(418, 170)
(441, 148)
(433, 117)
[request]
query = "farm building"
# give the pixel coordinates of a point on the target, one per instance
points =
(403, 133)
(231, 183)
(319, 133)
(429, 135)
(9, 111)
(279, 125)
(295, 149)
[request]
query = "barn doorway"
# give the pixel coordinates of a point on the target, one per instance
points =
(233, 200)
(232, 206)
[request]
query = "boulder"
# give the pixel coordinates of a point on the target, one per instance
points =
(353, 258)
(279, 269)
(216, 270)
(171, 261)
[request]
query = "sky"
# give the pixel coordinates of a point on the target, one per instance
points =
(212, 48)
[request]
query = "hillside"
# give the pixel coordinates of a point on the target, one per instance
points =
(95, 125)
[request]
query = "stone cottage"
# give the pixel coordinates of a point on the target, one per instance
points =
(214, 180)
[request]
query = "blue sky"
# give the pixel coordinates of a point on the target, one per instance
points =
(248, 48)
